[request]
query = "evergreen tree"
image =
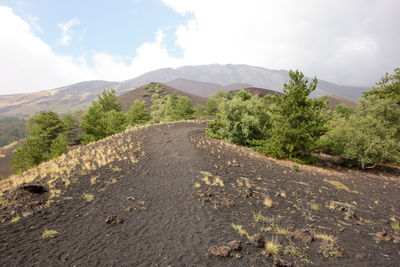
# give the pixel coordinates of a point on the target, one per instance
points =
(297, 120)
(138, 113)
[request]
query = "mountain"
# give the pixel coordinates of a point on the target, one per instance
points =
(147, 92)
(200, 80)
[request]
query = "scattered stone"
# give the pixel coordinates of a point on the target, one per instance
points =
(113, 219)
(220, 251)
(341, 229)
(238, 256)
(258, 240)
(225, 202)
(382, 236)
(282, 263)
(350, 214)
(131, 198)
(361, 256)
(303, 235)
(235, 245)
(330, 250)
(396, 238)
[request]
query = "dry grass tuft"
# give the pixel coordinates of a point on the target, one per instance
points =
(327, 237)
(88, 197)
(49, 233)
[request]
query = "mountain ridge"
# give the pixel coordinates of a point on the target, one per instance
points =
(78, 96)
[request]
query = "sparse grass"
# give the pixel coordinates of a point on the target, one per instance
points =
(15, 219)
(114, 181)
(116, 169)
(49, 233)
(281, 230)
(239, 183)
(88, 197)
(296, 167)
(197, 185)
(258, 217)
(396, 227)
(327, 237)
(268, 202)
(2, 220)
(240, 230)
(93, 180)
(314, 206)
(338, 185)
(272, 247)
(2, 156)
(218, 181)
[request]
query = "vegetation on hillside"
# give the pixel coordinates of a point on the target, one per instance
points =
(48, 136)
(11, 129)
(295, 126)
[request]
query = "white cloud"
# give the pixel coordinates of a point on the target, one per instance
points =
(29, 64)
(66, 31)
(347, 42)
(343, 41)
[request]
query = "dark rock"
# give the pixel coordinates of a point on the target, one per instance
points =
(220, 251)
(235, 245)
(113, 220)
(258, 240)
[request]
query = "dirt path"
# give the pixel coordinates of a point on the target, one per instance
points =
(182, 196)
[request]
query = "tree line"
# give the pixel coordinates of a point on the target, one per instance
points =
(49, 134)
(296, 127)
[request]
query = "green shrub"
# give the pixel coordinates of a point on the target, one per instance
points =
(175, 107)
(138, 113)
(297, 120)
(388, 87)
(199, 111)
(368, 136)
(58, 146)
(211, 108)
(239, 120)
(103, 118)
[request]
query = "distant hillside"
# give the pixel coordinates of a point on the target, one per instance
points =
(202, 88)
(149, 91)
(199, 80)
(335, 100)
(69, 98)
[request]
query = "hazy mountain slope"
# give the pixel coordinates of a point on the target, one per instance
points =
(145, 93)
(73, 97)
(202, 88)
(200, 80)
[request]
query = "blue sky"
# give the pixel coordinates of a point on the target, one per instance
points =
(45, 44)
(115, 27)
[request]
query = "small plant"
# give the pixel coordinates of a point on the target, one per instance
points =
(49, 233)
(114, 181)
(15, 219)
(240, 230)
(218, 181)
(88, 197)
(258, 217)
(329, 238)
(93, 180)
(314, 206)
(116, 169)
(338, 185)
(396, 227)
(281, 231)
(272, 247)
(197, 185)
(268, 202)
(296, 167)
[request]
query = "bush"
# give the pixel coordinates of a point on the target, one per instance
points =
(138, 113)
(211, 108)
(174, 108)
(103, 118)
(199, 111)
(388, 87)
(58, 146)
(297, 121)
(43, 129)
(239, 120)
(368, 136)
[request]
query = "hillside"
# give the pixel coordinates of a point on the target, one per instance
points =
(200, 80)
(69, 98)
(148, 91)
(335, 100)
(167, 194)
(204, 89)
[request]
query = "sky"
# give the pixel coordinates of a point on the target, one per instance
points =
(46, 44)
